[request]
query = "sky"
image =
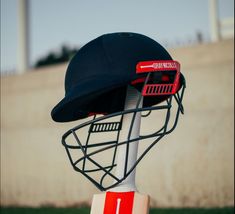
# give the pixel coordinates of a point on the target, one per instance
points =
(76, 22)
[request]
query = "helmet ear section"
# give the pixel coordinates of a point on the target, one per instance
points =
(166, 74)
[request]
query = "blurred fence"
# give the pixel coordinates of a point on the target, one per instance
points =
(194, 166)
(56, 54)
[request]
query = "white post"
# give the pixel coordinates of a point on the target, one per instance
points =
(129, 183)
(214, 21)
(23, 36)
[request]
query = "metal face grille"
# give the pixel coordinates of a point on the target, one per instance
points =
(85, 155)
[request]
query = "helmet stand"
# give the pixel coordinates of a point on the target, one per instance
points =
(127, 154)
(124, 197)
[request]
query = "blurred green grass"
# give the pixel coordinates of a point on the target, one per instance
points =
(11, 210)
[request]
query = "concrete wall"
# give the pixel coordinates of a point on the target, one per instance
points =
(194, 166)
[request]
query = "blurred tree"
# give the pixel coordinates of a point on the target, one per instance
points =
(52, 58)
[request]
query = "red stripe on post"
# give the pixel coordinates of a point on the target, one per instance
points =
(119, 202)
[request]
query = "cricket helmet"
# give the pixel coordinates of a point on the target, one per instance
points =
(96, 82)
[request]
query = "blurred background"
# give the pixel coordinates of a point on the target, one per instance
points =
(193, 167)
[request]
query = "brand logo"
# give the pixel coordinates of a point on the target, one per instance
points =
(160, 65)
